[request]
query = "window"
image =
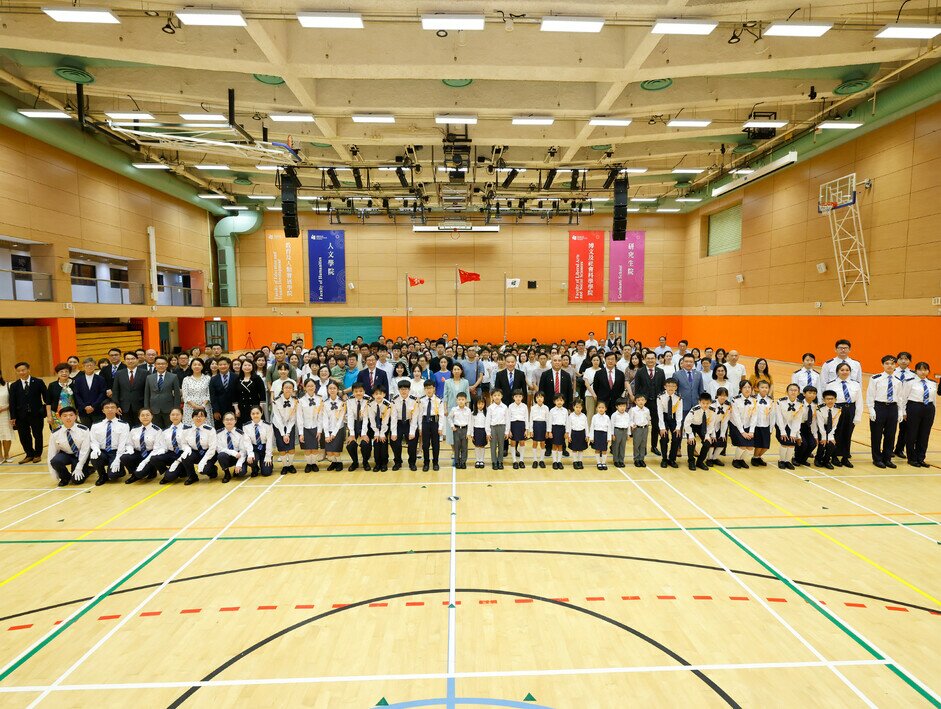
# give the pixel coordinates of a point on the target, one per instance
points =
(160, 280)
(21, 266)
(83, 274)
(725, 231)
(118, 277)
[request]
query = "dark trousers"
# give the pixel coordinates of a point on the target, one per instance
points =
(259, 465)
(130, 461)
(807, 444)
(363, 447)
(102, 465)
(920, 419)
(691, 456)
(161, 464)
(882, 431)
(460, 446)
(900, 438)
(64, 463)
(670, 443)
(825, 454)
(162, 421)
(844, 430)
(88, 419)
(654, 425)
(190, 462)
(30, 433)
(380, 451)
(430, 438)
(402, 438)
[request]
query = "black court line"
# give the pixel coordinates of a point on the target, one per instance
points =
(373, 555)
(284, 631)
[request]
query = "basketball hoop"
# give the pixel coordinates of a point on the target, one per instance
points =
(826, 207)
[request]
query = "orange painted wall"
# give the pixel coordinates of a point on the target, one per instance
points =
(787, 337)
(191, 332)
(62, 337)
(150, 332)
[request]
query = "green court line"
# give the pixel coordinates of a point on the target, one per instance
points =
(470, 533)
(908, 679)
(74, 619)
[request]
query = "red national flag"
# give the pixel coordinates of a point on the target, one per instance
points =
(467, 276)
(412, 281)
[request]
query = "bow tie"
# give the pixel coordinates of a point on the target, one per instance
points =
(286, 404)
(762, 402)
(333, 406)
(792, 407)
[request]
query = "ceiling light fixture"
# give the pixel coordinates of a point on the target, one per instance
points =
(150, 166)
(452, 22)
(533, 120)
(689, 199)
(261, 196)
(634, 170)
(268, 168)
(291, 117)
(643, 199)
(839, 125)
(759, 123)
(742, 171)
(688, 170)
(797, 29)
(197, 117)
(603, 121)
(198, 17)
(212, 195)
(568, 23)
(373, 118)
(688, 123)
(200, 125)
(235, 207)
(211, 167)
(82, 14)
(331, 20)
(42, 113)
(129, 115)
(908, 31)
(455, 119)
(668, 210)
(689, 27)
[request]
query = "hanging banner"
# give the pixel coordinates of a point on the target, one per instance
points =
(326, 254)
(285, 268)
(626, 268)
(586, 266)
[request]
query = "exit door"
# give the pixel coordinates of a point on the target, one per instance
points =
(217, 332)
(619, 328)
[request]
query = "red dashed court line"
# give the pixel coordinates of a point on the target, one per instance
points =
(855, 605)
(666, 598)
(630, 598)
(304, 606)
(151, 614)
(595, 598)
(777, 600)
(897, 608)
(340, 605)
(702, 598)
(524, 600)
(187, 611)
(228, 608)
(267, 608)
(20, 627)
(738, 598)
(412, 604)
(487, 602)
(108, 617)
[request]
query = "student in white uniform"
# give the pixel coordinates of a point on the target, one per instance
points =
(539, 430)
(721, 415)
(921, 397)
(764, 418)
(742, 425)
(460, 421)
(309, 414)
(828, 372)
(333, 426)
(558, 417)
(69, 448)
(404, 407)
(108, 441)
(620, 431)
(789, 412)
(229, 448)
(200, 440)
(142, 442)
(849, 401)
(518, 422)
(670, 417)
(599, 432)
(378, 418)
(576, 433)
(480, 432)
(284, 421)
(884, 402)
(640, 427)
(258, 444)
(806, 376)
(496, 428)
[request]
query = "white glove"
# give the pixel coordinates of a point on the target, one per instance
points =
(116, 465)
(174, 465)
(95, 454)
(199, 469)
(78, 476)
(141, 466)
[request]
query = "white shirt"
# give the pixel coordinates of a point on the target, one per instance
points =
(437, 409)
(878, 390)
(251, 433)
(576, 422)
(828, 370)
(577, 359)
(59, 442)
(621, 420)
(152, 441)
(915, 390)
(600, 423)
(308, 411)
(735, 373)
(668, 370)
(788, 416)
(284, 414)
(764, 411)
(539, 412)
(496, 416)
(670, 402)
(591, 343)
(207, 443)
(640, 416)
(378, 417)
(356, 411)
(333, 416)
(517, 412)
(800, 378)
(99, 434)
(558, 416)
(623, 364)
(460, 416)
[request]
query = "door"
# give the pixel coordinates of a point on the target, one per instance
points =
(346, 330)
(217, 332)
(619, 328)
(164, 336)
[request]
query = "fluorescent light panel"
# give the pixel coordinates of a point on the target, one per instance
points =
(211, 166)
(742, 171)
(129, 115)
(373, 118)
(199, 17)
(273, 209)
(797, 29)
(688, 170)
(693, 27)
(568, 23)
(452, 22)
(643, 199)
(236, 207)
(668, 210)
(291, 117)
(839, 125)
(909, 31)
(204, 125)
(533, 120)
(689, 199)
(197, 117)
(42, 113)
(212, 195)
(331, 20)
(261, 196)
(689, 123)
(94, 15)
(603, 121)
(634, 170)
(455, 119)
(150, 166)
(268, 168)
(764, 124)
(633, 209)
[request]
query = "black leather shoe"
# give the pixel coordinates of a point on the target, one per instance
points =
(424, 467)
(190, 480)
(878, 464)
(102, 479)
(890, 464)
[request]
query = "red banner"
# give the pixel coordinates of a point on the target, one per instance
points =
(586, 266)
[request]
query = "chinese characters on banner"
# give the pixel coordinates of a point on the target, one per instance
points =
(626, 269)
(285, 268)
(586, 266)
(326, 254)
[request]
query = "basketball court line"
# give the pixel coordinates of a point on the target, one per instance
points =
(869, 509)
(34, 497)
(855, 635)
(764, 604)
(452, 605)
(47, 507)
(859, 555)
(120, 624)
(499, 674)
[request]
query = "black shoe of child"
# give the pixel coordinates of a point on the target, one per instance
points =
(890, 464)
(396, 466)
(366, 466)
(425, 467)
(674, 464)
(542, 464)
(226, 477)
(664, 464)
(132, 479)
(702, 466)
(847, 464)
(383, 469)
(435, 467)
(190, 480)
(639, 464)
(353, 466)
(535, 464)
(314, 468)
(413, 468)
(716, 461)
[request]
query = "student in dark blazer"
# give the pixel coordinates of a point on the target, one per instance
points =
(162, 392)
(28, 411)
(223, 391)
(89, 389)
(649, 381)
(689, 382)
(609, 383)
(547, 382)
(371, 376)
(128, 388)
(510, 379)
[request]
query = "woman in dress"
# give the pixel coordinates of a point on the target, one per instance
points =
(6, 430)
(195, 392)
(59, 395)
(633, 364)
(399, 372)
(452, 387)
(251, 391)
(441, 376)
(588, 376)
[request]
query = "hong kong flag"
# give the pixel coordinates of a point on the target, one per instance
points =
(467, 276)
(413, 281)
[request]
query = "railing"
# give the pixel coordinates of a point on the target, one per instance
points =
(103, 290)
(178, 295)
(25, 285)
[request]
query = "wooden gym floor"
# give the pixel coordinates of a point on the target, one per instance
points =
(759, 587)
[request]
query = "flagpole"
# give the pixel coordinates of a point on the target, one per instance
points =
(456, 326)
(407, 288)
(504, 307)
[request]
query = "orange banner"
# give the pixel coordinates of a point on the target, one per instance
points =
(285, 268)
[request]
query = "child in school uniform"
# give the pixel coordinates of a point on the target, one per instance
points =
(921, 397)
(229, 451)
(808, 429)
(670, 418)
(480, 432)
(429, 418)
(600, 431)
(883, 399)
(640, 425)
(621, 431)
(200, 442)
(356, 438)
(284, 420)
(849, 401)
(698, 423)
(496, 428)
(142, 442)
(806, 376)
(167, 462)
(558, 417)
(721, 414)
(309, 413)
(460, 419)
(788, 414)
(764, 418)
(378, 417)
(828, 418)
(333, 426)
(742, 425)
(518, 417)
(903, 374)
(539, 430)
(404, 407)
(576, 427)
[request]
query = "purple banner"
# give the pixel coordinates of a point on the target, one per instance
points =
(626, 269)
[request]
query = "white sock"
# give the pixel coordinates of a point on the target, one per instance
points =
(479, 455)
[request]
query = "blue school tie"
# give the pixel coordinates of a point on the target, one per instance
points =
(925, 385)
(846, 392)
(228, 438)
(108, 438)
(890, 394)
(257, 436)
(176, 447)
(68, 437)
(198, 447)
(143, 445)
(809, 378)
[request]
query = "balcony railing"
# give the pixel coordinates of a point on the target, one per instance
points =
(102, 290)
(178, 295)
(25, 285)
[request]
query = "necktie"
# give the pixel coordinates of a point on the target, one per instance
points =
(372, 378)
(650, 374)
(829, 425)
(925, 385)
(557, 389)
(143, 446)
(257, 436)
(509, 378)
(225, 381)
(68, 437)
(228, 438)
(403, 409)
(428, 412)
(108, 438)
(198, 446)
(809, 380)
(159, 382)
(689, 376)
(890, 393)
(358, 404)
(611, 378)
(130, 376)
(114, 369)
(846, 392)
(176, 447)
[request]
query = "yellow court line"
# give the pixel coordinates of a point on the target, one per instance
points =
(874, 564)
(75, 541)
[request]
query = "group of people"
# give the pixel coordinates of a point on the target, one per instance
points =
(139, 414)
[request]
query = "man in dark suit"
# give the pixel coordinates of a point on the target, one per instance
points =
(162, 393)
(90, 391)
(510, 379)
(556, 381)
(609, 382)
(128, 389)
(649, 380)
(689, 383)
(223, 391)
(114, 366)
(28, 411)
(372, 376)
